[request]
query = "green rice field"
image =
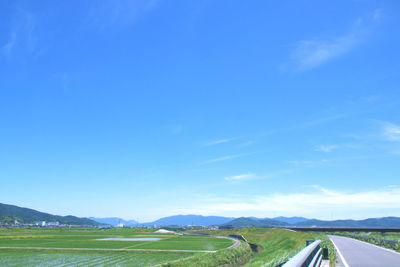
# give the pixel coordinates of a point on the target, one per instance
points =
(81, 247)
(81, 258)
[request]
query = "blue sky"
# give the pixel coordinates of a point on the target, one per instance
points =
(149, 108)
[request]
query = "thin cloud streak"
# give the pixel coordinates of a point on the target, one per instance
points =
(228, 157)
(7, 48)
(309, 54)
(319, 162)
(221, 141)
(241, 177)
(252, 176)
(223, 158)
(175, 128)
(248, 143)
(304, 125)
(312, 53)
(391, 132)
(109, 13)
(326, 148)
(22, 34)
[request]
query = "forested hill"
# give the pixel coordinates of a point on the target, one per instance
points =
(254, 222)
(389, 222)
(9, 213)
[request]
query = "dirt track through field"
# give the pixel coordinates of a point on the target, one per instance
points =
(234, 245)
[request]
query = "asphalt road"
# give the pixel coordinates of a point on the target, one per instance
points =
(357, 253)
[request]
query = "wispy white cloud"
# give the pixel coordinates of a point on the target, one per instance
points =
(321, 120)
(309, 163)
(107, 13)
(248, 143)
(377, 15)
(312, 53)
(228, 157)
(326, 148)
(7, 48)
(306, 124)
(21, 33)
(241, 177)
(319, 162)
(313, 203)
(391, 132)
(175, 128)
(251, 176)
(220, 141)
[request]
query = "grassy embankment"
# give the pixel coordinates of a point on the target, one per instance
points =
(278, 245)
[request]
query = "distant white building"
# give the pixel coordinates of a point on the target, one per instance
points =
(53, 224)
(120, 225)
(163, 231)
(40, 223)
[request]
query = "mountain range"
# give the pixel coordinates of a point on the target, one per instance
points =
(291, 220)
(254, 222)
(182, 220)
(9, 213)
(385, 222)
(389, 222)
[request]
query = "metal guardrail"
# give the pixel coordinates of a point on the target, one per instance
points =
(310, 256)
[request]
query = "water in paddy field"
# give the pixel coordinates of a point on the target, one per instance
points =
(130, 239)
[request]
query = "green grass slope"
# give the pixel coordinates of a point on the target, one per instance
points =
(225, 257)
(278, 245)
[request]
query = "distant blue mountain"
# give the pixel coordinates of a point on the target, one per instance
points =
(11, 213)
(291, 220)
(254, 222)
(114, 221)
(199, 220)
(182, 220)
(390, 222)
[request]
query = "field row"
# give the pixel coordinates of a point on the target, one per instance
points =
(65, 258)
(91, 242)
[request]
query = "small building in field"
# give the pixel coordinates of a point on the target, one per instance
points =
(40, 223)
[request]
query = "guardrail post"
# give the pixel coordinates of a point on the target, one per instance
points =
(325, 253)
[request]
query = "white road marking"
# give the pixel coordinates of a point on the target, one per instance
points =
(340, 254)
